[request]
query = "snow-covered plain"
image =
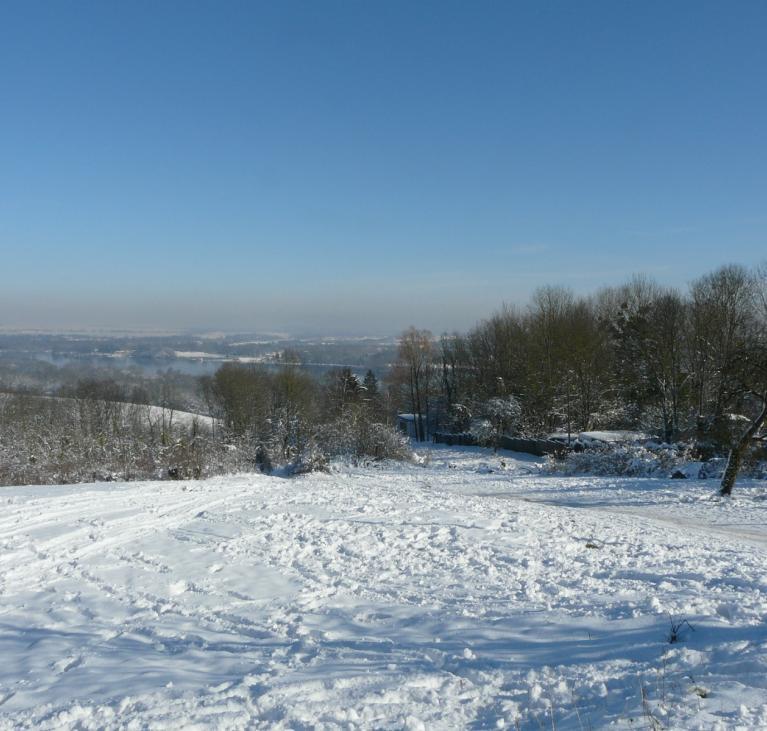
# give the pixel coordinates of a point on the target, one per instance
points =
(470, 591)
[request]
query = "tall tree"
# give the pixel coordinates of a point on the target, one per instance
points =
(415, 370)
(751, 366)
(648, 338)
(722, 311)
(342, 390)
(371, 396)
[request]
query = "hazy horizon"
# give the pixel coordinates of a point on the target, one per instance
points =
(354, 169)
(349, 315)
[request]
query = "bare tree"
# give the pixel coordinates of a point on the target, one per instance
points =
(722, 310)
(751, 366)
(414, 370)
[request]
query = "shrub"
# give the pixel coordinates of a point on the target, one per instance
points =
(354, 436)
(648, 460)
(630, 460)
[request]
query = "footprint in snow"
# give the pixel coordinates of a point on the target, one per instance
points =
(68, 663)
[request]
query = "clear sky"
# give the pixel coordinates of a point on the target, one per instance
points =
(361, 166)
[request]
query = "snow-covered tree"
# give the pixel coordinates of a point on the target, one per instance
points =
(503, 413)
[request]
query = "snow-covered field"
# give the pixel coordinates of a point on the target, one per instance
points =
(468, 592)
(150, 413)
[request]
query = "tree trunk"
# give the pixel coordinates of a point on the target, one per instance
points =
(739, 449)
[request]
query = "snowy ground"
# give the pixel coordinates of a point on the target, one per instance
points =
(153, 413)
(469, 592)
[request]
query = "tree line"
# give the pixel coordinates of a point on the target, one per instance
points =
(679, 365)
(683, 366)
(258, 419)
(287, 416)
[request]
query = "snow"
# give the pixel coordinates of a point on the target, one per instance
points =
(243, 359)
(612, 437)
(197, 355)
(469, 590)
(185, 418)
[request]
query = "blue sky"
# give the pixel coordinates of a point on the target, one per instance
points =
(360, 166)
